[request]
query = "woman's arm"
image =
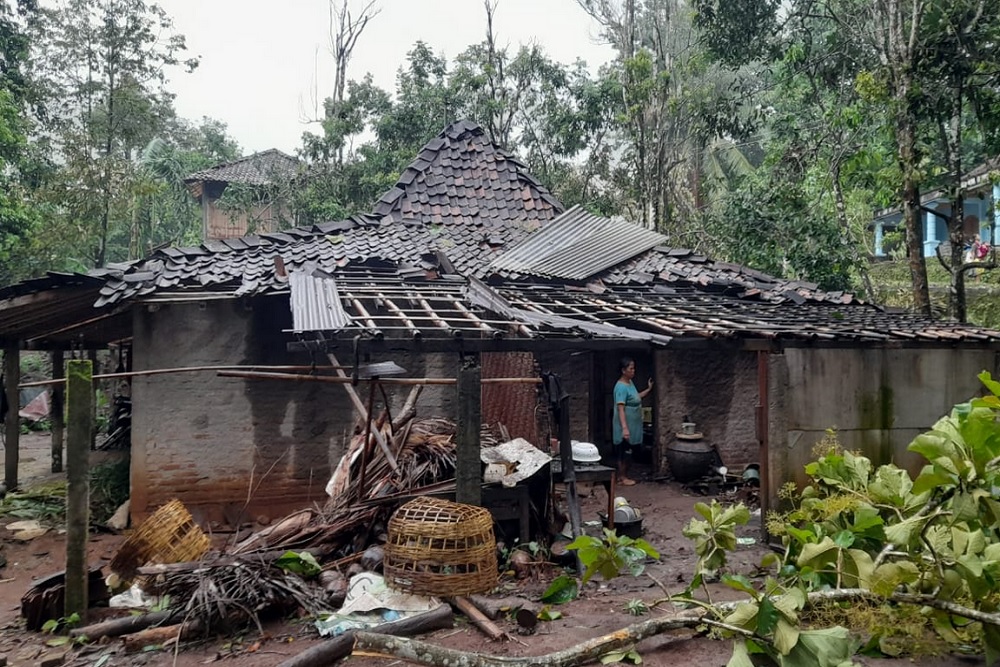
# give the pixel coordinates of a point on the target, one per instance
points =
(649, 387)
(623, 421)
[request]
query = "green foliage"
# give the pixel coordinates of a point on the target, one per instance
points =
(563, 589)
(715, 534)
(637, 607)
(109, 488)
(547, 613)
(611, 555)
(855, 526)
(63, 625)
(612, 657)
(302, 563)
(46, 504)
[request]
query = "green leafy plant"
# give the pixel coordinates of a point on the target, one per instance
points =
(859, 541)
(714, 535)
(637, 607)
(621, 656)
(563, 589)
(55, 626)
(611, 555)
(302, 563)
(46, 504)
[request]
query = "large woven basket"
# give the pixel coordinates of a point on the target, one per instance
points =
(169, 535)
(437, 547)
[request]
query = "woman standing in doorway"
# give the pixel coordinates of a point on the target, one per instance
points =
(627, 418)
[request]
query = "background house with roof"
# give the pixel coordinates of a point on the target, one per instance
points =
(468, 258)
(981, 205)
(258, 174)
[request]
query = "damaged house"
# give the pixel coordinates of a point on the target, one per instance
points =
(469, 260)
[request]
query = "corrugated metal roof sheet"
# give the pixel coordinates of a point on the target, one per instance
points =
(577, 245)
(316, 303)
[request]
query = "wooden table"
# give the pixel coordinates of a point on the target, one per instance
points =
(510, 502)
(591, 473)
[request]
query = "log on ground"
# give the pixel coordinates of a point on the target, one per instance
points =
(339, 647)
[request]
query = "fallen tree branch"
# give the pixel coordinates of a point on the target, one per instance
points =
(137, 641)
(123, 626)
(425, 653)
(841, 594)
(331, 650)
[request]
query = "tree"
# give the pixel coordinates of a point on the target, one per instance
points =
(163, 211)
(103, 65)
(960, 94)
(674, 104)
(17, 163)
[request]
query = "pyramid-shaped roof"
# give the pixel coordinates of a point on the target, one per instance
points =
(475, 198)
(261, 168)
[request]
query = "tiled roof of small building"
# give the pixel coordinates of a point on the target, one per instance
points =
(261, 168)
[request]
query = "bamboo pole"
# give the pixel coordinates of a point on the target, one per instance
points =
(12, 423)
(348, 383)
(189, 369)
(468, 470)
(58, 416)
(298, 377)
(273, 372)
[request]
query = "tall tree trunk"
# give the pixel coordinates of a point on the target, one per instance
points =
(906, 134)
(903, 31)
(102, 251)
(956, 223)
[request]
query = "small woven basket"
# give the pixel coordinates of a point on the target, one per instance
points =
(169, 535)
(437, 547)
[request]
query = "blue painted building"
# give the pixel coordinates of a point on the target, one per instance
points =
(982, 213)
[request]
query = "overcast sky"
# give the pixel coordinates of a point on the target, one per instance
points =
(265, 62)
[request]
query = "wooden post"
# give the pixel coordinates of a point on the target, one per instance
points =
(56, 415)
(95, 388)
(12, 425)
(79, 399)
(468, 468)
(568, 469)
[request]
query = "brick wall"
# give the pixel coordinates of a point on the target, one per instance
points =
(718, 391)
(209, 440)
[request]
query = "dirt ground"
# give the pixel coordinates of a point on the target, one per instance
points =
(601, 608)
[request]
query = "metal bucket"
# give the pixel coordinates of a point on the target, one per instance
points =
(689, 459)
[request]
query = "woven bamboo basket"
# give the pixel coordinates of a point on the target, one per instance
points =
(169, 535)
(437, 547)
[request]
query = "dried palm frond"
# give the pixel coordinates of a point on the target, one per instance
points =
(233, 594)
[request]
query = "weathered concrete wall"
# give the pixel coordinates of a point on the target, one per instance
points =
(207, 440)
(878, 400)
(718, 390)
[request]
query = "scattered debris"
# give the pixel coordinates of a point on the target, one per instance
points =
(46, 599)
(119, 520)
(25, 531)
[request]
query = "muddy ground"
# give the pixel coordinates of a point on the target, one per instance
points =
(601, 608)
